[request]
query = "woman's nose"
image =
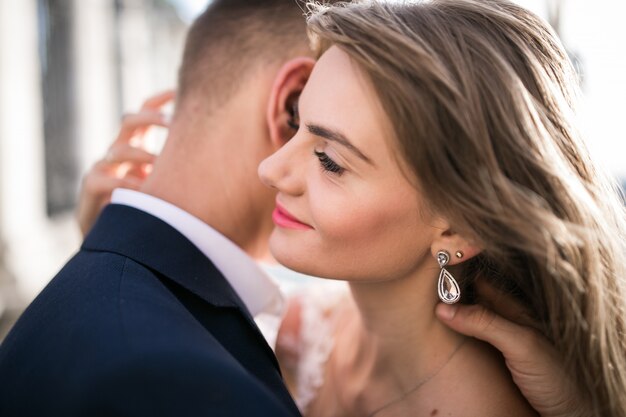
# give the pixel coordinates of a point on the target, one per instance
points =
(267, 171)
(279, 170)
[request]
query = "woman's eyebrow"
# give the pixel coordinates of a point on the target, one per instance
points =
(335, 136)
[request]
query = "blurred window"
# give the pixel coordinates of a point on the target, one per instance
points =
(59, 105)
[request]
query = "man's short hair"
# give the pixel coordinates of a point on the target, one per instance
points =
(232, 38)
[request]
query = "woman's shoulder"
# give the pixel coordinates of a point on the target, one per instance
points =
(477, 383)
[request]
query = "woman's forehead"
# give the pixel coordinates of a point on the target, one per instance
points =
(339, 95)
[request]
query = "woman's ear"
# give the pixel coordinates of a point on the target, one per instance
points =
(460, 248)
(284, 94)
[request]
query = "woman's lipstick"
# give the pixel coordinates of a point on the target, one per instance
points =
(284, 219)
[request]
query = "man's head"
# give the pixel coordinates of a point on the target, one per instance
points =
(232, 39)
(244, 65)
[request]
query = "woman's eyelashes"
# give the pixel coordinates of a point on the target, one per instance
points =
(328, 164)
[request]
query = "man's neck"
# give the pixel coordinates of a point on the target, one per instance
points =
(205, 184)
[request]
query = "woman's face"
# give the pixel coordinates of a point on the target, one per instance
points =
(344, 208)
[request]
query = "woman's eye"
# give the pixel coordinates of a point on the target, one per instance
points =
(328, 164)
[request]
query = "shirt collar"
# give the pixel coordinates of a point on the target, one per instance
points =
(257, 290)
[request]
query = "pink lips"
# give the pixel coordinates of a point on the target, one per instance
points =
(284, 219)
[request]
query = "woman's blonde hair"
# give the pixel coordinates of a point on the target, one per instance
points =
(481, 96)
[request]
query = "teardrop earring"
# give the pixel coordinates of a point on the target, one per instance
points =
(447, 287)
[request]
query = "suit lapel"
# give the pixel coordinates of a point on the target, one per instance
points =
(158, 246)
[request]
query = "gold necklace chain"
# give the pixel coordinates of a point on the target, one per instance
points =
(420, 382)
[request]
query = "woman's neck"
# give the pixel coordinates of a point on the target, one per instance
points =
(400, 341)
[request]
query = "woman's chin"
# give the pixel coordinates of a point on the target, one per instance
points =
(287, 253)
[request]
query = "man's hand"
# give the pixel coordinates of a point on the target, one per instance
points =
(534, 363)
(126, 163)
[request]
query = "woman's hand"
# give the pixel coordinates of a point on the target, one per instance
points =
(126, 163)
(534, 363)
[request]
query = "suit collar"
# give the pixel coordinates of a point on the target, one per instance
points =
(155, 244)
(256, 289)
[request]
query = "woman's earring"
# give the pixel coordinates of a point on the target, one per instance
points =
(447, 287)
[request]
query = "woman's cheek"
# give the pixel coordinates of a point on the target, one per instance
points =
(350, 220)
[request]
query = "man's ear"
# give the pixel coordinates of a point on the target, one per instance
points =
(285, 92)
(459, 247)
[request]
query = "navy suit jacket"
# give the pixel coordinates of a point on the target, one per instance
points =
(139, 323)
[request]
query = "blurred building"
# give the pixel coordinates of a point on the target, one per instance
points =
(68, 71)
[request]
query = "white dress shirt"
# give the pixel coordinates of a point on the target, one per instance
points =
(260, 293)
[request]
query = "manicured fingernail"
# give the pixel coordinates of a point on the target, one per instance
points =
(446, 311)
(166, 118)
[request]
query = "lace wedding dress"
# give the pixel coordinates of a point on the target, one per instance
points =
(308, 339)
